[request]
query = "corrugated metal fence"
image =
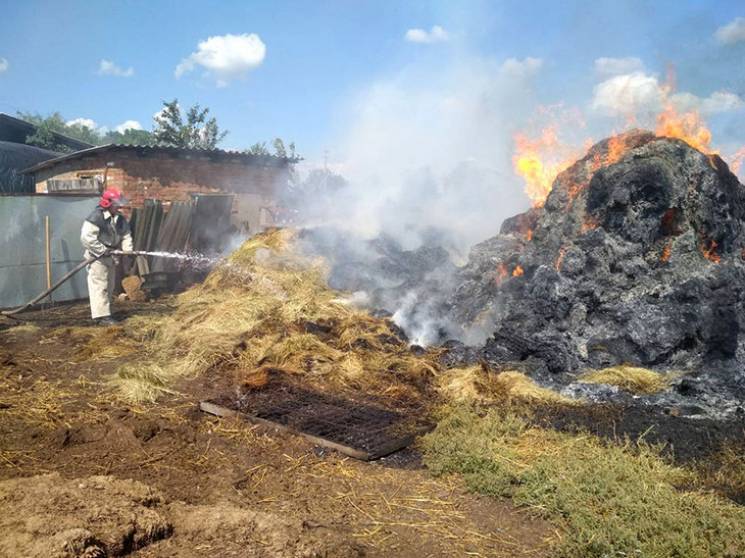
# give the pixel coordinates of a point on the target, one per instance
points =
(23, 248)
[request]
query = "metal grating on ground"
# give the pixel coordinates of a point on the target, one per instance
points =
(358, 428)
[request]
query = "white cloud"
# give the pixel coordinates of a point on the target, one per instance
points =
(128, 125)
(638, 93)
(225, 57)
(435, 35)
(86, 122)
(606, 66)
(626, 94)
(522, 69)
(733, 32)
(717, 102)
(109, 68)
(4, 65)
(721, 101)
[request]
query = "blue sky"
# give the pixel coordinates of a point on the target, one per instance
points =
(322, 56)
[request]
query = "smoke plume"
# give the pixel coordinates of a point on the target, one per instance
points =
(428, 170)
(421, 155)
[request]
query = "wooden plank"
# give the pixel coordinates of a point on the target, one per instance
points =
(221, 411)
(48, 251)
(400, 443)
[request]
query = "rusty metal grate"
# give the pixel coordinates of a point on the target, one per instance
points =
(357, 427)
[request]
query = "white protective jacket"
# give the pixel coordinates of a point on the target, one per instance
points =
(103, 231)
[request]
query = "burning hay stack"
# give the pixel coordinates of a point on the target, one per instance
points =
(635, 257)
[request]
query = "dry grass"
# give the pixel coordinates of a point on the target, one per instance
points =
(477, 385)
(142, 381)
(268, 305)
(630, 378)
(608, 500)
(724, 471)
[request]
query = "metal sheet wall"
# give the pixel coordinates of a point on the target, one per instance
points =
(22, 248)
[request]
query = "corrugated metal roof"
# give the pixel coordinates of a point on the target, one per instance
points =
(176, 152)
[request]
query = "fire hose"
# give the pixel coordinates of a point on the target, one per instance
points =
(67, 277)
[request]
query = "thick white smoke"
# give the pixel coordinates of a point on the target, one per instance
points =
(433, 151)
(426, 157)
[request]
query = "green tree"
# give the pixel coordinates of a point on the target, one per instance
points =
(130, 137)
(259, 148)
(45, 129)
(46, 126)
(288, 152)
(83, 133)
(279, 148)
(54, 121)
(196, 132)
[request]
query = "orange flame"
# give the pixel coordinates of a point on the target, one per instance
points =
(710, 252)
(666, 250)
(538, 162)
(616, 148)
(560, 258)
(518, 271)
(502, 273)
(589, 224)
(688, 126)
(529, 235)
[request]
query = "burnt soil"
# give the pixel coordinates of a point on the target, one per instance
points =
(684, 440)
(213, 477)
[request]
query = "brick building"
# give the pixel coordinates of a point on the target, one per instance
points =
(171, 174)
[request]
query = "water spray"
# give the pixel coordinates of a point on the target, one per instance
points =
(196, 260)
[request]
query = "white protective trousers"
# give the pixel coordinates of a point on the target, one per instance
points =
(102, 273)
(101, 278)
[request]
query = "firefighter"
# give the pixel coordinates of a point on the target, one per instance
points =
(105, 229)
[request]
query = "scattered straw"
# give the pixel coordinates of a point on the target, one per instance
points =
(631, 379)
(475, 384)
(43, 403)
(22, 329)
(142, 382)
(269, 305)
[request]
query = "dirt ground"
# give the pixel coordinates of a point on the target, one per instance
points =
(82, 473)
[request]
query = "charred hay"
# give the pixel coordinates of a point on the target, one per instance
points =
(635, 258)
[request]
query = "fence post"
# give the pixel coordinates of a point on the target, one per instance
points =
(48, 252)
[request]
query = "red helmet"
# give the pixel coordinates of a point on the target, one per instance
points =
(110, 197)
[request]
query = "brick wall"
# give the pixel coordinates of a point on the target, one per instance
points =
(165, 178)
